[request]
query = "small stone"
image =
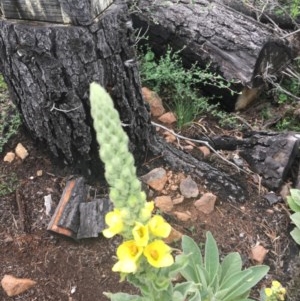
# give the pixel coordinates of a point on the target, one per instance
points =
(178, 200)
(39, 173)
(188, 147)
(189, 188)
(156, 178)
(190, 143)
(258, 253)
(174, 236)
(169, 137)
(206, 203)
(204, 150)
(272, 198)
(9, 157)
(155, 102)
(14, 286)
(183, 216)
(21, 151)
(167, 118)
(174, 187)
(164, 203)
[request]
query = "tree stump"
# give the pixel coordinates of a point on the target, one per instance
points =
(49, 66)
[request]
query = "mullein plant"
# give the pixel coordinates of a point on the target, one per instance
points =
(144, 259)
(142, 253)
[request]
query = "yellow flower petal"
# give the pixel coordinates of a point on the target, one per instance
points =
(159, 227)
(268, 292)
(276, 284)
(115, 223)
(129, 250)
(140, 234)
(158, 254)
(128, 254)
(125, 266)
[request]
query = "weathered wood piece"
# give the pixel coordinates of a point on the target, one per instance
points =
(92, 217)
(65, 198)
(242, 49)
(272, 156)
(76, 216)
(77, 12)
(70, 217)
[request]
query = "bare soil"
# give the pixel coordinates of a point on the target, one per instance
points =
(69, 270)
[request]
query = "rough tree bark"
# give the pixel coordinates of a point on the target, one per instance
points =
(242, 49)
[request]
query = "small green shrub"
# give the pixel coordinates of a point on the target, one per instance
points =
(180, 86)
(8, 184)
(294, 203)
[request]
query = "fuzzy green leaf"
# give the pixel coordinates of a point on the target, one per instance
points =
(191, 249)
(231, 264)
(292, 204)
(211, 260)
(296, 235)
(296, 219)
(295, 194)
(123, 297)
(240, 283)
(185, 289)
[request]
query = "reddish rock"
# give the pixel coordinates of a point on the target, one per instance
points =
(174, 236)
(156, 178)
(258, 253)
(167, 118)
(204, 150)
(164, 203)
(14, 286)
(169, 137)
(183, 216)
(206, 203)
(155, 102)
(9, 157)
(178, 200)
(21, 151)
(189, 188)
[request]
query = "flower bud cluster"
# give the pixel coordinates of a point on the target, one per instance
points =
(276, 293)
(120, 172)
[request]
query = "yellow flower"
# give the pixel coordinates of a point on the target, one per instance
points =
(159, 227)
(268, 292)
(276, 284)
(140, 234)
(146, 212)
(128, 253)
(158, 254)
(115, 223)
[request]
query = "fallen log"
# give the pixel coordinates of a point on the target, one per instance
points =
(269, 154)
(243, 50)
